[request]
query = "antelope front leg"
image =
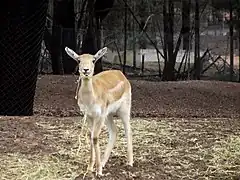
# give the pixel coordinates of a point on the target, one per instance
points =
(92, 151)
(92, 155)
(98, 124)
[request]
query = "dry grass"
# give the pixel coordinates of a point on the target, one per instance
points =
(225, 157)
(163, 149)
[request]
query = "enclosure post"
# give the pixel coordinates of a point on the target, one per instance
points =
(159, 65)
(143, 59)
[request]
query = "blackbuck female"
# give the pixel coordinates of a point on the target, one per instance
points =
(101, 97)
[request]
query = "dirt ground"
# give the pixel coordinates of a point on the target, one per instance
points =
(181, 130)
(55, 97)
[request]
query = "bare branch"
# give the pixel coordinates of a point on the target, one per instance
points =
(145, 25)
(155, 46)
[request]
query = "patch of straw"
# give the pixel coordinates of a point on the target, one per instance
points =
(83, 128)
(175, 148)
(225, 157)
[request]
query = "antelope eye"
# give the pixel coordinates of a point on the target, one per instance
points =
(94, 60)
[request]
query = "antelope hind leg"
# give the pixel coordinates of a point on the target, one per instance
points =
(112, 138)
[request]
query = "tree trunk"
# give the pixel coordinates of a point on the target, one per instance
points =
(238, 29)
(186, 22)
(68, 39)
(56, 53)
(168, 72)
(165, 35)
(125, 37)
(239, 52)
(96, 12)
(21, 35)
(231, 39)
(90, 42)
(197, 60)
(63, 35)
(134, 37)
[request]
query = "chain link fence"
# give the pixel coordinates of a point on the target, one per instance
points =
(20, 43)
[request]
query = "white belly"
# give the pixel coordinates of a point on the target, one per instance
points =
(113, 108)
(92, 110)
(96, 110)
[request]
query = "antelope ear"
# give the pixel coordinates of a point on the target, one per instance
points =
(100, 53)
(72, 54)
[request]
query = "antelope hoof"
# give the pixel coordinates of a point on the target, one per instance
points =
(90, 169)
(103, 164)
(130, 164)
(99, 174)
(88, 173)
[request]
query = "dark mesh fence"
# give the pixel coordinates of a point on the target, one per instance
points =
(22, 27)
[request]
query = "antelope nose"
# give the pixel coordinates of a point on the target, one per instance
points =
(85, 70)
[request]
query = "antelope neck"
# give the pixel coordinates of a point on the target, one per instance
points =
(86, 85)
